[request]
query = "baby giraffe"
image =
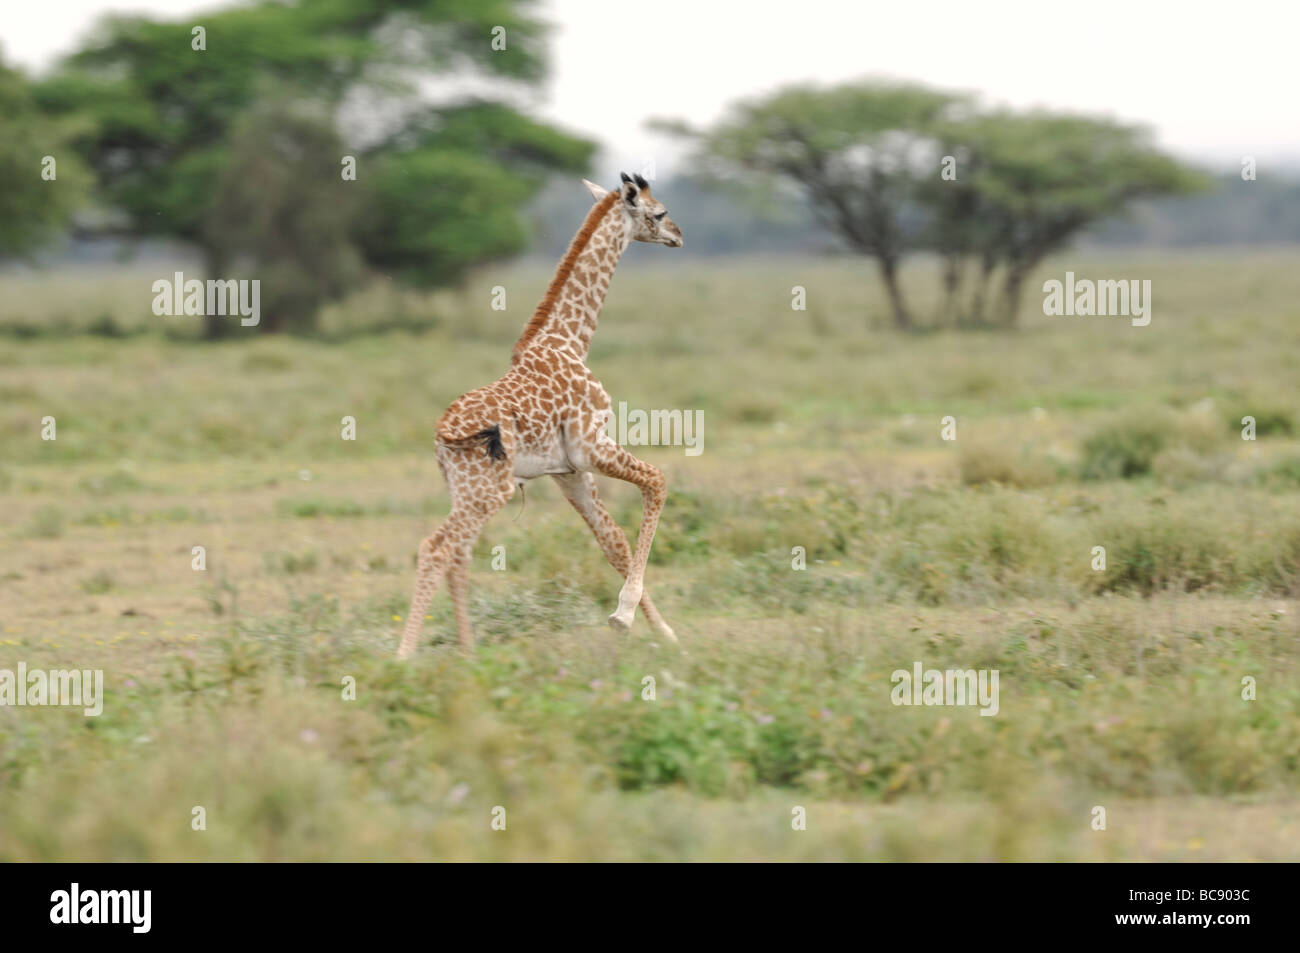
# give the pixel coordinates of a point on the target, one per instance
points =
(546, 417)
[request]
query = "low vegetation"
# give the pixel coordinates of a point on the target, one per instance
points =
(225, 688)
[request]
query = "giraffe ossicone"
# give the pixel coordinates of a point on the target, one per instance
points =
(546, 416)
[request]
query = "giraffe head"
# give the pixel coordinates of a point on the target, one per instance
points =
(647, 219)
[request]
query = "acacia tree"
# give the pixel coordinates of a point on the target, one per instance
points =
(165, 114)
(859, 152)
(869, 158)
(956, 229)
(1026, 186)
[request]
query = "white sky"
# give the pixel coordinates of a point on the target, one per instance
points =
(1217, 81)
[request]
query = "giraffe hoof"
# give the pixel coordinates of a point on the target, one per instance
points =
(620, 623)
(667, 633)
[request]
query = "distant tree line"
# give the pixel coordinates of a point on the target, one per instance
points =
(295, 144)
(1263, 211)
(724, 221)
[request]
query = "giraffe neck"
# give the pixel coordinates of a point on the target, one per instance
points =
(568, 312)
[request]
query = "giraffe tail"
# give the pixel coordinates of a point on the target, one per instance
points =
(491, 441)
(489, 438)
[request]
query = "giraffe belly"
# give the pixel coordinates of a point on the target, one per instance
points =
(531, 463)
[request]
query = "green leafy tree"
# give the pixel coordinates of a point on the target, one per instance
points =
(450, 189)
(1027, 185)
(42, 180)
(281, 205)
(869, 157)
(165, 114)
(858, 152)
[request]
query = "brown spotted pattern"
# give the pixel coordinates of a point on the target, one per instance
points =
(549, 414)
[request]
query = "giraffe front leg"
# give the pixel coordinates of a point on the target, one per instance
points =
(611, 460)
(580, 490)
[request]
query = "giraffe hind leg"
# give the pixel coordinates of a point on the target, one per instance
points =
(458, 587)
(480, 483)
(432, 565)
(580, 490)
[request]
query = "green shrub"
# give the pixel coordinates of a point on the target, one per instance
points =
(1125, 447)
(1285, 472)
(1129, 445)
(1271, 420)
(989, 462)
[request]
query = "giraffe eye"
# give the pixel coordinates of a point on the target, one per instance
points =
(660, 216)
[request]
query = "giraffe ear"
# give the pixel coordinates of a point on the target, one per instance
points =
(630, 190)
(596, 191)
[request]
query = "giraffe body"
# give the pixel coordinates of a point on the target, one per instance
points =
(546, 416)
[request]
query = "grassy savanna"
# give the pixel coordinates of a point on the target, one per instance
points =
(1120, 688)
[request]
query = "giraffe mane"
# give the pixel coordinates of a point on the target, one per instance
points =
(562, 273)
